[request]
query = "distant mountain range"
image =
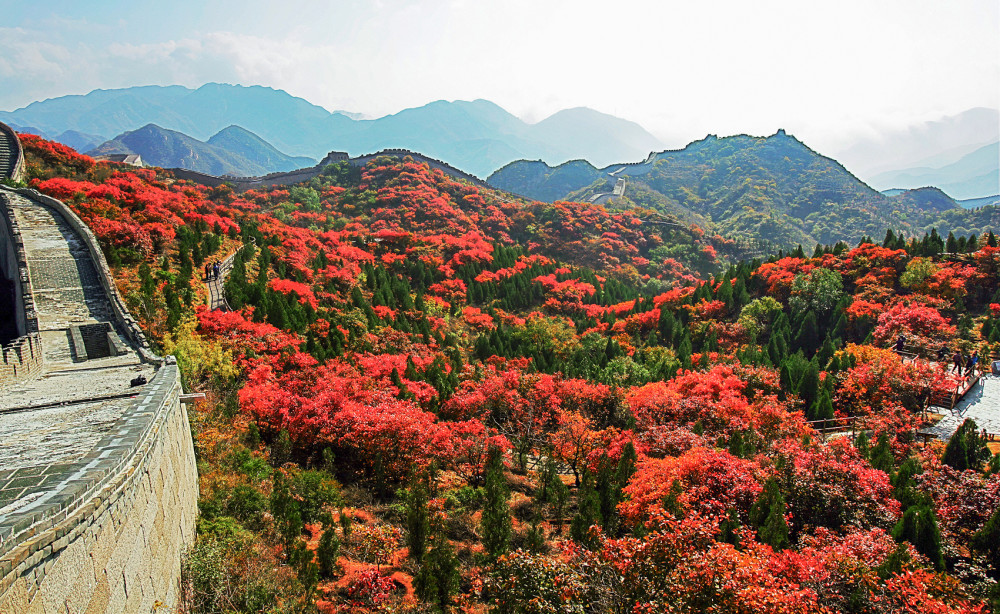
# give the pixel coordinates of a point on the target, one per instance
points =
(773, 188)
(933, 144)
(232, 151)
(476, 136)
(973, 175)
(956, 153)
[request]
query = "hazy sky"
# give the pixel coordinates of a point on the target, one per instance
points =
(825, 71)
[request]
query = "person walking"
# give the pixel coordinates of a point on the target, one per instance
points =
(970, 366)
(958, 361)
(215, 270)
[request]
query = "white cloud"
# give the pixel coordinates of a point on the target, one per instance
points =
(826, 72)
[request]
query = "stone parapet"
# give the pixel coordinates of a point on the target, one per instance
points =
(106, 533)
(20, 359)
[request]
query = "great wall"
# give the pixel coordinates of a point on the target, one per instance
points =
(242, 184)
(98, 481)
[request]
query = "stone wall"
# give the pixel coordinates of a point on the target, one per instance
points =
(17, 153)
(108, 535)
(22, 357)
(123, 319)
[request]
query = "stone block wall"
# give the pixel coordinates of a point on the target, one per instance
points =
(17, 173)
(108, 536)
(123, 319)
(21, 358)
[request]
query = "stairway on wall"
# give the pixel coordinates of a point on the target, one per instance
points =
(7, 152)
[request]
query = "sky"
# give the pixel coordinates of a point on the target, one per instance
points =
(828, 72)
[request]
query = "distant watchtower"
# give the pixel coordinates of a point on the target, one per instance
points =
(333, 157)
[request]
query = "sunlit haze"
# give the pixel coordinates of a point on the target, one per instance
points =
(827, 72)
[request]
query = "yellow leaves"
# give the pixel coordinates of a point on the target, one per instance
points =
(198, 358)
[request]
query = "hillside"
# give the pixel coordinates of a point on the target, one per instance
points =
(430, 396)
(772, 188)
(256, 150)
(226, 156)
(476, 136)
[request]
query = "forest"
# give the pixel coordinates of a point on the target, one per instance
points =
(433, 397)
(773, 189)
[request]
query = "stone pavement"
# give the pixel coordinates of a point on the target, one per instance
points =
(216, 291)
(59, 416)
(982, 404)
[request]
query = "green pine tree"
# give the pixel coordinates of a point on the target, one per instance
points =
(966, 449)
(588, 512)
(438, 578)
(496, 522)
(417, 520)
(767, 515)
(987, 541)
(919, 527)
(328, 549)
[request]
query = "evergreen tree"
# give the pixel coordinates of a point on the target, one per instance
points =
(904, 486)
(496, 523)
(728, 528)
(328, 548)
(417, 519)
(919, 527)
(822, 407)
(966, 448)
(881, 455)
(438, 578)
(809, 387)
(987, 541)
(951, 245)
(807, 338)
(588, 512)
(767, 515)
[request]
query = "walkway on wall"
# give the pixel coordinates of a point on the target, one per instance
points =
(84, 386)
(981, 403)
(216, 286)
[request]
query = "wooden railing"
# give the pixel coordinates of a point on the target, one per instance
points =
(949, 400)
(830, 426)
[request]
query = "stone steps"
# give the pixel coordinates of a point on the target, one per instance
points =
(7, 152)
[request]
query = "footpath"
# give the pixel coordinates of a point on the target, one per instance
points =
(981, 403)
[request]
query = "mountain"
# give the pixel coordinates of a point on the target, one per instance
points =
(80, 141)
(974, 175)
(536, 179)
(477, 136)
(598, 138)
(252, 148)
(932, 144)
(170, 149)
(973, 203)
(774, 188)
